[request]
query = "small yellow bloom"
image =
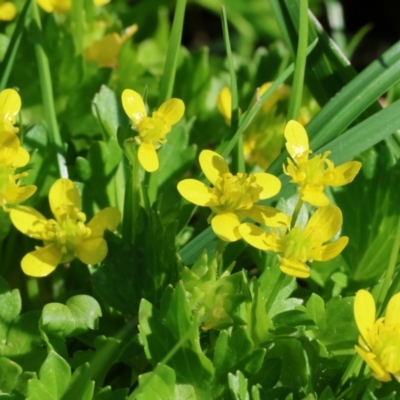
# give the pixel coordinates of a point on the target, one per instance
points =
(233, 197)
(263, 139)
(10, 104)
(66, 236)
(7, 11)
(379, 340)
(152, 130)
(63, 6)
(105, 51)
(312, 175)
(297, 246)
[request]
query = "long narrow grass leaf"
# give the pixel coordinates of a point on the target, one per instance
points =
(13, 46)
(300, 65)
(47, 91)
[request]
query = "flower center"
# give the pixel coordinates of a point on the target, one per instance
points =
(236, 192)
(67, 233)
(387, 345)
(296, 244)
(152, 130)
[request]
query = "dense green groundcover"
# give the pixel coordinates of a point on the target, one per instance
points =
(115, 280)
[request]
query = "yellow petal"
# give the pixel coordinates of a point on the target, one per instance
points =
(213, 165)
(28, 221)
(148, 157)
(296, 140)
(22, 158)
(225, 226)
(92, 251)
(101, 2)
(59, 6)
(10, 103)
(63, 196)
(325, 223)
(133, 105)
(197, 193)
(17, 194)
(224, 103)
(254, 236)
(364, 313)
(270, 184)
(108, 218)
(282, 92)
(7, 11)
(314, 195)
(378, 371)
(9, 145)
(294, 268)
(172, 111)
(329, 251)
(393, 310)
(268, 216)
(41, 262)
(345, 173)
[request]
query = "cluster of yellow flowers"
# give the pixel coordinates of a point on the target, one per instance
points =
(64, 237)
(233, 199)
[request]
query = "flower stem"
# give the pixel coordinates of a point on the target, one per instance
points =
(47, 91)
(278, 286)
(132, 199)
(296, 212)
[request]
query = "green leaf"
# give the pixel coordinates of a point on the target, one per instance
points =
(238, 386)
(106, 107)
(81, 386)
(80, 314)
(107, 393)
(54, 376)
(143, 270)
(5, 224)
(171, 336)
(20, 338)
(159, 384)
(316, 308)
(9, 373)
(337, 330)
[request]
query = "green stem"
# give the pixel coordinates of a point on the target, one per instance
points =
(278, 286)
(391, 269)
(300, 64)
(132, 197)
(296, 212)
(47, 91)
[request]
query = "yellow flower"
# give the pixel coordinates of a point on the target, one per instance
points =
(105, 51)
(297, 246)
(63, 6)
(152, 130)
(10, 104)
(233, 197)
(7, 11)
(66, 236)
(263, 139)
(379, 340)
(312, 175)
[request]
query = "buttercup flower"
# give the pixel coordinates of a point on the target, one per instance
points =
(232, 197)
(105, 51)
(66, 236)
(379, 340)
(297, 246)
(63, 6)
(152, 130)
(312, 175)
(7, 11)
